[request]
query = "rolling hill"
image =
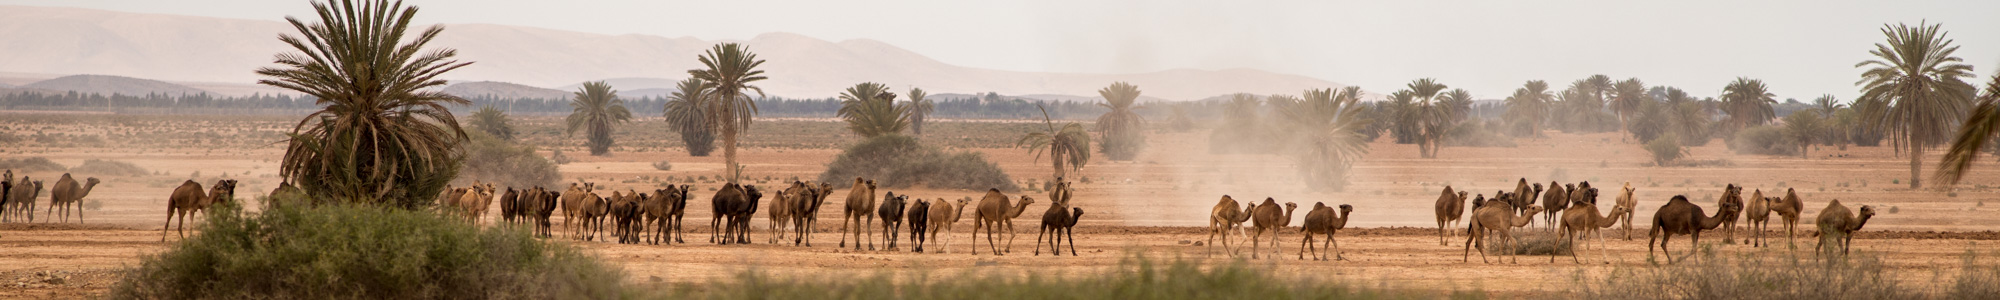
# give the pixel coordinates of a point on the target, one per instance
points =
(108, 85)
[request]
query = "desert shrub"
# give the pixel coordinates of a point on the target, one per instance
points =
(9, 138)
(505, 163)
(1765, 140)
(31, 164)
(1478, 134)
(362, 252)
(1750, 276)
(1123, 145)
(1666, 149)
(897, 161)
(1134, 278)
(663, 165)
(1533, 243)
(97, 167)
(560, 159)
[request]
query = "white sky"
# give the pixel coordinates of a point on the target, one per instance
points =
(1800, 48)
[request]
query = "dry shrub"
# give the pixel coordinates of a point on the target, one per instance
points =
(896, 161)
(31, 164)
(1749, 276)
(97, 167)
(1133, 278)
(506, 163)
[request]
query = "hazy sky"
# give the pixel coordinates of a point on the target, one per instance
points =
(1800, 48)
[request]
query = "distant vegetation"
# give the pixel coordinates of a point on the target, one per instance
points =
(31, 164)
(1134, 278)
(898, 161)
(100, 167)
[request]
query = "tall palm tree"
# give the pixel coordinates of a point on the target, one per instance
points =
(1685, 117)
(494, 122)
(1978, 131)
(1626, 96)
(1450, 109)
(1597, 85)
(1748, 103)
(1120, 126)
(1530, 105)
(595, 108)
(1805, 128)
(1458, 105)
(1327, 121)
(730, 69)
(1430, 118)
(1915, 87)
(1068, 147)
(686, 113)
(920, 108)
(1826, 105)
(383, 134)
(871, 110)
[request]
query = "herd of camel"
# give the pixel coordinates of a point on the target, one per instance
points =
(1571, 209)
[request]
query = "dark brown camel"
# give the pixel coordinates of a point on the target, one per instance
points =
(1450, 208)
(1321, 220)
(1838, 224)
(188, 199)
(1731, 194)
(1555, 200)
(891, 211)
(919, 220)
(1679, 216)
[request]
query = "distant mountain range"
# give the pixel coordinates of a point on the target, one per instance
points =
(222, 54)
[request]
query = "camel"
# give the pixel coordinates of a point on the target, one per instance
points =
(1581, 218)
(188, 199)
(475, 201)
(1555, 200)
(891, 212)
(510, 206)
(595, 208)
(662, 211)
(573, 204)
(1221, 219)
(1322, 221)
(781, 210)
(1732, 195)
(995, 212)
(942, 215)
(1631, 205)
(1450, 208)
(860, 204)
(1757, 210)
(725, 203)
(1267, 217)
(533, 206)
(1789, 208)
(67, 193)
(1499, 217)
(919, 219)
(1679, 216)
(22, 199)
(1057, 222)
(1838, 224)
(6, 189)
(1524, 194)
(805, 212)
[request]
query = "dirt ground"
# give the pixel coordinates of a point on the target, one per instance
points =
(1149, 206)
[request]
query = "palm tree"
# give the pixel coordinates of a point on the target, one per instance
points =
(1239, 125)
(1806, 128)
(730, 69)
(595, 107)
(1826, 105)
(1068, 147)
(685, 112)
(1180, 121)
(920, 107)
(382, 134)
(1597, 85)
(1686, 118)
(494, 122)
(1978, 131)
(1748, 103)
(871, 111)
(1530, 105)
(1452, 108)
(1915, 87)
(1430, 119)
(1626, 96)
(1328, 122)
(1120, 126)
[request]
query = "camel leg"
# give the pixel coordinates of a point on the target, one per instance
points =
(1275, 245)
(1208, 248)
(182, 229)
(976, 225)
(990, 244)
(1010, 235)
(871, 233)
(1070, 232)
(843, 231)
(1038, 240)
(169, 225)
(1256, 240)
(1335, 245)
(1306, 244)
(1441, 241)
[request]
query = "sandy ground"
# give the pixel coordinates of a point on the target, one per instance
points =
(1147, 206)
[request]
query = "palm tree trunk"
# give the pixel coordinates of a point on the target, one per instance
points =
(729, 142)
(1916, 161)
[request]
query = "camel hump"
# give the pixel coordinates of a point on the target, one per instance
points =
(992, 190)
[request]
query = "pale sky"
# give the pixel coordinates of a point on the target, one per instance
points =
(1800, 48)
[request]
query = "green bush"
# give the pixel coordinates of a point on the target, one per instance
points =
(31, 164)
(897, 161)
(1134, 278)
(362, 252)
(505, 163)
(97, 167)
(1123, 146)
(1666, 149)
(1765, 140)
(1750, 276)
(1478, 134)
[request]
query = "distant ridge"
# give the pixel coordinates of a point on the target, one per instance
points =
(502, 90)
(108, 85)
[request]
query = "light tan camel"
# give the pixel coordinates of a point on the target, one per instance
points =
(1731, 195)
(1268, 217)
(1789, 208)
(188, 199)
(573, 205)
(1450, 208)
(1679, 216)
(995, 212)
(1631, 205)
(66, 194)
(1553, 201)
(943, 215)
(1497, 217)
(860, 204)
(1322, 221)
(1221, 219)
(781, 209)
(1838, 224)
(1757, 210)
(21, 200)
(1582, 221)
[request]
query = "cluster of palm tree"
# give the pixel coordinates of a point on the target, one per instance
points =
(595, 108)
(1326, 125)
(685, 113)
(1424, 113)
(871, 110)
(493, 121)
(1122, 127)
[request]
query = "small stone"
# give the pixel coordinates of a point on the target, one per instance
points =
(1197, 243)
(1185, 242)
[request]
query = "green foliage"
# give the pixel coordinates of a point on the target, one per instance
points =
(1747, 102)
(1134, 278)
(1529, 107)
(99, 167)
(1121, 125)
(1325, 144)
(1915, 89)
(390, 140)
(1765, 140)
(1751, 276)
(686, 114)
(32, 164)
(871, 110)
(921, 107)
(1806, 128)
(595, 108)
(1666, 149)
(1068, 147)
(1479, 134)
(494, 122)
(897, 161)
(507, 164)
(362, 252)
(1180, 122)
(729, 69)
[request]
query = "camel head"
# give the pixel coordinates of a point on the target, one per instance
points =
(1025, 200)
(1532, 210)
(1589, 196)
(1289, 206)
(1461, 195)
(1344, 209)
(752, 193)
(962, 202)
(1479, 201)
(1538, 186)
(1075, 213)
(1866, 212)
